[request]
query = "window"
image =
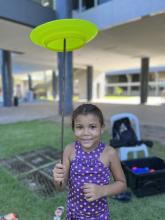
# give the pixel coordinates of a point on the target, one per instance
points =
(116, 78)
(136, 77)
(75, 4)
(87, 4)
(151, 77)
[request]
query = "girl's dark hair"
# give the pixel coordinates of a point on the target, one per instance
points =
(86, 109)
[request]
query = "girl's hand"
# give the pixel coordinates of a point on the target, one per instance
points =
(92, 191)
(59, 173)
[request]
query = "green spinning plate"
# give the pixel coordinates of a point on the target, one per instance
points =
(51, 35)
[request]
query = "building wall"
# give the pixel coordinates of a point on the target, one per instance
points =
(98, 85)
(80, 83)
(25, 12)
(118, 11)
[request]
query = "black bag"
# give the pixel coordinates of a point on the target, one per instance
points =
(124, 135)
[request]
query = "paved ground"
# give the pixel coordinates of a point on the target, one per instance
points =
(49, 111)
(28, 111)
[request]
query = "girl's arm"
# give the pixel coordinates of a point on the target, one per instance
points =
(119, 184)
(61, 171)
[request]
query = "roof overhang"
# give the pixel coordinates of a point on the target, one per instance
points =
(116, 48)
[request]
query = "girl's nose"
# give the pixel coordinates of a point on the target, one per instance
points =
(86, 131)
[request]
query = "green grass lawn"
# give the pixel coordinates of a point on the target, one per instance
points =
(15, 197)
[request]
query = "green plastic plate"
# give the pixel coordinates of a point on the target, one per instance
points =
(76, 32)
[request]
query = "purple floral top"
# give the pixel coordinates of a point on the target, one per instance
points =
(87, 168)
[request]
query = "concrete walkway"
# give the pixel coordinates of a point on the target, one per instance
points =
(28, 111)
(152, 118)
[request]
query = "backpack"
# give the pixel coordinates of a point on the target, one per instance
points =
(123, 134)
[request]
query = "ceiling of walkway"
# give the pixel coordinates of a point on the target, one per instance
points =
(119, 47)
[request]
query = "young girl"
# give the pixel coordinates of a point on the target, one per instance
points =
(86, 168)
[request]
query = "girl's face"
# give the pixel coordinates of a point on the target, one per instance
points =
(87, 130)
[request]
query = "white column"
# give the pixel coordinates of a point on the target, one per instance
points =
(156, 83)
(129, 84)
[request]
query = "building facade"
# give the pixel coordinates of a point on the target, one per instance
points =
(97, 77)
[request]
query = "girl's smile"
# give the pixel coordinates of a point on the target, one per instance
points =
(87, 130)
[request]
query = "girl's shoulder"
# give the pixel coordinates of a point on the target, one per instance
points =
(108, 154)
(70, 151)
(110, 151)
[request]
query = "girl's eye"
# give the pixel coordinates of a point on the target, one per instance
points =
(78, 127)
(92, 126)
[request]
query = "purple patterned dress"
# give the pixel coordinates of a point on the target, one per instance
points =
(86, 168)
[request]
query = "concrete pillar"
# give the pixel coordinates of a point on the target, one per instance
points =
(30, 86)
(64, 10)
(129, 78)
(45, 83)
(30, 94)
(68, 91)
(144, 80)
(89, 82)
(156, 84)
(7, 80)
(54, 84)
